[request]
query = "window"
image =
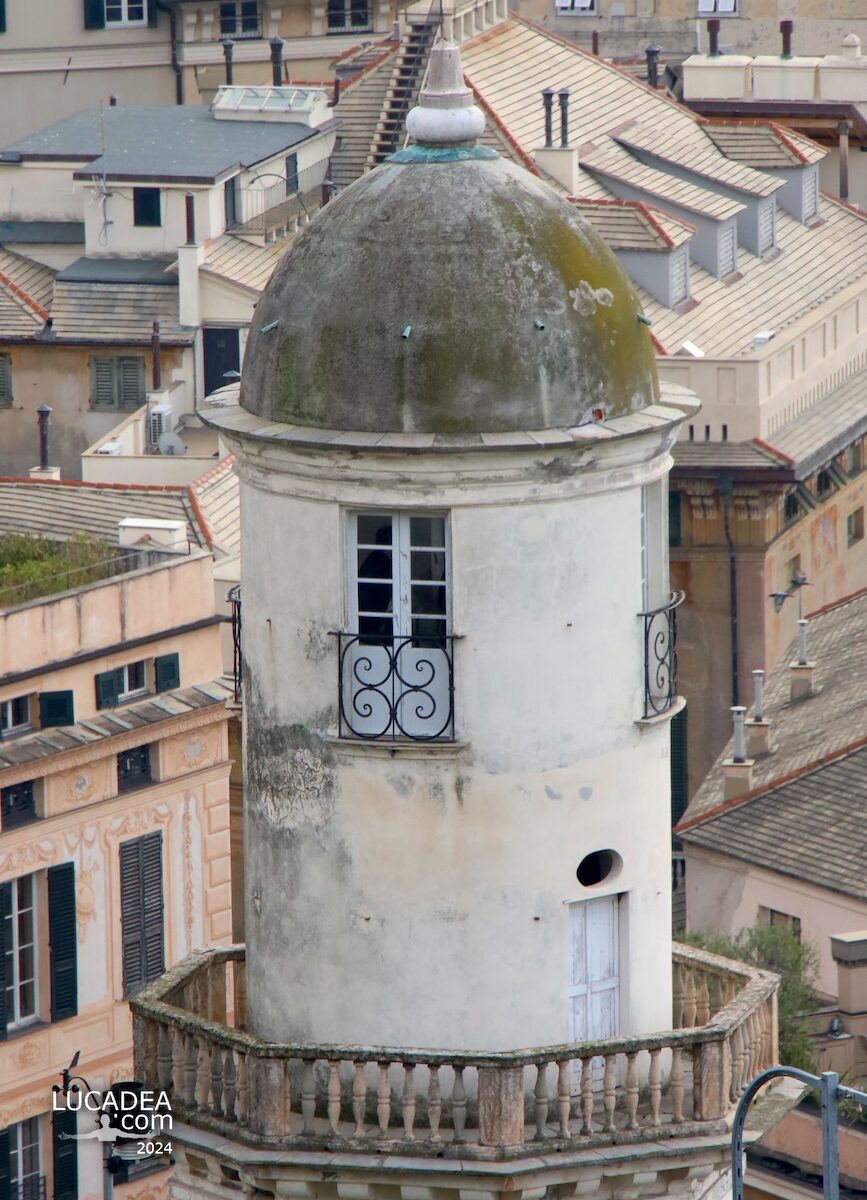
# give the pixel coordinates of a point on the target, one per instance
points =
(147, 206)
(853, 459)
(5, 381)
(717, 8)
(125, 12)
(824, 483)
(348, 16)
(121, 683)
(117, 382)
(855, 527)
(291, 174)
(17, 805)
(231, 198)
(240, 18)
(399, 588)
(791, 507)
(14, 715)
(26, 1181)
(654, 546)
(770, 916)
(674, 531)
(565, 8)
(18, 906)
(141, 911)
(133, 768)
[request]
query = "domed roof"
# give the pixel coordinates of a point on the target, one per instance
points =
(448, 291)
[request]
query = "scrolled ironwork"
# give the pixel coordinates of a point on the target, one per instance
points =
(234, 598)
(660, 656)
(396, 687)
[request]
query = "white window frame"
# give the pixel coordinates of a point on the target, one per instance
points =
(13, 1018)
(17, 1145)
(125, 21)
(239, 31)
(7, 728)
(127, 692)
(717, 8)
(655, 584)
(575, 8)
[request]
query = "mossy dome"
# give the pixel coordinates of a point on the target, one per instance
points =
(450, 292)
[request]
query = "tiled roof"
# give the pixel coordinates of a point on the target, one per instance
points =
(805, 733)
(109, 723)
(613, 162)
(218, 496)
(25, 293)
(61, 509)
(825, 805)
(714, 456)
(117, 313)
(660, 140)
(633, 225)
(242, 262)
(361, 101)
(763, 144)
(813, 437)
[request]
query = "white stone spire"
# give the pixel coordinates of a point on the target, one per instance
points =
(445, 114)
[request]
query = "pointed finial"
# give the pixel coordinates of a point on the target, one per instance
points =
(445, 113)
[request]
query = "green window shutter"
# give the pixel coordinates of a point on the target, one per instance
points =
(678, 768)
(103, 393)
(5, 361)
(94, 14)
(5, 911)
(152, 13)
(62, 936)
(152, 892)
(108, 684)
(56, 708)
(167, 670)
(141, 911)
(65, 1155)
(5, 1189)
(131, 383)
(2, 16)
(674, 530)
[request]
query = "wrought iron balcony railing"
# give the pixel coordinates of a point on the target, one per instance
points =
(31, 1187)
(234, 598)
(660, 656)
(396, 687)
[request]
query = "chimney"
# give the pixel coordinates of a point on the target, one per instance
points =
(277, 61)
(228, 54)
(801, 671)
(335, 99)
(189, 260)
(758, 729)
(849, 951)
(713, 37)
(843, 143)
(851, 46)
(787, 28)
(112, 101)
(43, 471)
(652, 56)
(560, 162)
(737, 770)
(595, 42)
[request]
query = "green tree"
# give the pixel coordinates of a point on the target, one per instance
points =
(777, 948)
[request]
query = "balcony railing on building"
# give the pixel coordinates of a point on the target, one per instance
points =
(190, 1040)
(349, 16)
(234, 598)
(660, 656)
(396, 687)
(31, 1187)
(273, 204)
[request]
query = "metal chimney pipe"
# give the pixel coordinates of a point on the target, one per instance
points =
(758, 684)
(652, 56)
(787, 28)
(228, 54)
(843, 143)
(595, 42)
(713, 37)
(157, 368)
(43, 415)
(739, 749)
(802, 642)
(112, 101)
(190, 209)
(564, 117)
(277, 61)
(548, 101)
(335, 99)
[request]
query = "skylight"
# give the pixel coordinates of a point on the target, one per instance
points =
(231, 99)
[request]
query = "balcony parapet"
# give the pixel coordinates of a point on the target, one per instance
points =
(190, 1041)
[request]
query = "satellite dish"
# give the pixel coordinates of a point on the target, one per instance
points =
(170, 443)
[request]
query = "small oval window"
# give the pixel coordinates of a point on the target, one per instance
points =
(596, 867)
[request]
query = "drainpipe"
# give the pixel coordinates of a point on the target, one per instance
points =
(176, 66)
(725, 487)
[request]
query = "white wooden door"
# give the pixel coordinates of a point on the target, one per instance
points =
(594, 983)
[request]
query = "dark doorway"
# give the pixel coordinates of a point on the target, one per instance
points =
(222, 353)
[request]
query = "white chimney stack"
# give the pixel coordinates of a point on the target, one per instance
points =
(758, 729)
(738, 770)
(801, 671)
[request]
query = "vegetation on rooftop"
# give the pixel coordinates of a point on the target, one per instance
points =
(33, 566)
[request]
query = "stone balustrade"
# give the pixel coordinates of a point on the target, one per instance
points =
(190, 1041)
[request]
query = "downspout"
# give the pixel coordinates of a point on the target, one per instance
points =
(173, 35)
(725, 488)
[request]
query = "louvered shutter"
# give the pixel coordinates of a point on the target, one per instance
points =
(679, 277)
(5, 1189)
(2, 16)
(131, 918)
(167, 672)
(152, 892)
(678, 768)
(104, 395)
(65, 1152)
(766, 227)
(56, 708)
(131, 389)
(5, 911)
(5, 362)
(108, 685)
(811, 193)
(94, 14)
(62, 936)
(152, 13)
(727, 258)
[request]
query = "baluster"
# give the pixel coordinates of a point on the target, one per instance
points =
(677, 996)
(190, 1056)
(408, 1101)
(654, 1086)
(541, 1094)
(164, 1059)
(383, 1100)
(459, 1105)
(308, 1095)
(216, 1067)
(586, 1096)
(202, 1062)
(737, 1057)
(359, 1099)
(632, 1090)
(756, 1044)
(334, 1096)
(746, 1071)
(677, 1084)
(434, 1104)
(564, 1099)
(179, 1058)
(230, 1085)
(243, 1090)
(688, 998)
(608, 1092)
(765, 1042)
(702, 1000)
(730, 988)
